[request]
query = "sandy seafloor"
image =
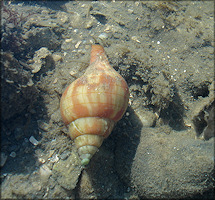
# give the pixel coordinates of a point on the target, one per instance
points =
(163, 147)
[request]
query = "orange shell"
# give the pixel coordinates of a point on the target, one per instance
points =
(92, 104)
(92, 126)
(100, 92)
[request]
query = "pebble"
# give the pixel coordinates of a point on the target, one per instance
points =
(130, 11)
(57, 57)
(43, 125)
(68, 40)
(103, 36)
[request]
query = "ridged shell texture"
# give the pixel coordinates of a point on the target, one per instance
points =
(93, 103)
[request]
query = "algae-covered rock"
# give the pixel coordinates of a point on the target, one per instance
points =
(18, 89)
(203, 116)
(172, 166)
(67, 172)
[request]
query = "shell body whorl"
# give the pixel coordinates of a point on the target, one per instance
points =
(93, 103)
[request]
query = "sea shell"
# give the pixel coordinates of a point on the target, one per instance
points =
(92, 104)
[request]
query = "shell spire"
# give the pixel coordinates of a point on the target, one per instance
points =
(93, 103)
(97, 52)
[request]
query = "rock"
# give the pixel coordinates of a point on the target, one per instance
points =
(16, 92)
(170, 166)
(67, 172)
(42, 37)
(162, 91)
(45, 173)
(203, 116)
(57, 57)
(39, 59)
(76, 20)
(30, 186)
(147, 118)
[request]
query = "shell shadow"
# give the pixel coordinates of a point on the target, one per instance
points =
(109, 169)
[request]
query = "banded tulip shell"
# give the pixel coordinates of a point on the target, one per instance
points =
(93, 103)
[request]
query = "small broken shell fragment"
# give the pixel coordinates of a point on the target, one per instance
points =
(33, 140)
(13, 154)
(43, 125)
(103, 36)
(78, 44)
(55, 81)
(41, 160)
(135, 39)
(73, 73)
(54, 159)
